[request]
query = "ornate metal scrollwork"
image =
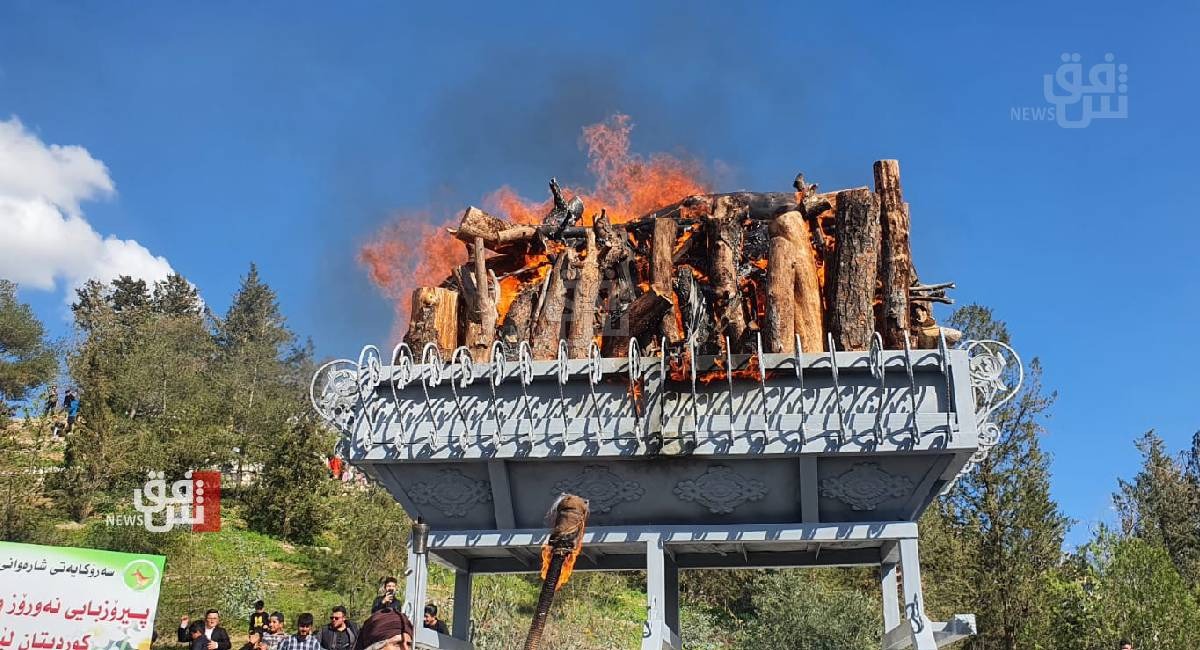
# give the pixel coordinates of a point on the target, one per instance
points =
(603, 489)
(452, 493)
(996, 377)
(865, 485)
(721, 490)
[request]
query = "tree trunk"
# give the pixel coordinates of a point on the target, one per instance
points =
(781, 289)
(662, 250)
(434, 320)
(725, 248)
(895, 260)
(517, 322)
(548, 328)
(480, 342)
(641, 321)
(855, 269)
(583, 310)
(808, 314)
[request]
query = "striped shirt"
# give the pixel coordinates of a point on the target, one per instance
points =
(294, 642)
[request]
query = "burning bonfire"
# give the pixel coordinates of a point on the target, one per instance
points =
(712, 274)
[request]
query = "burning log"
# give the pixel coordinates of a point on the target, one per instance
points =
(517, 322)
(481, 341)
(547, 327)
(641, 321)
(895, 267)
(781, 296)
(583, 311)
(476, 223)
(808, 315)
(434, 319)
(926, 331)
(855, 268)
(569, 516)
(661, 263)
(725, 249)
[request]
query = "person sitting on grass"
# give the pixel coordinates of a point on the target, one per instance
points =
(254, 640)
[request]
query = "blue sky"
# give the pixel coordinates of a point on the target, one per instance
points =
(285, 133)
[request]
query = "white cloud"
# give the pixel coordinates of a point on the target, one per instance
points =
(44, 237)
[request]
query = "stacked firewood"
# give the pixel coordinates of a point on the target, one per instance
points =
(709, 270)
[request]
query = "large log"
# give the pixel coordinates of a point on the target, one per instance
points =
(485, 306)
(640, 321)
(725, 248)
(477, 223)
(807, 312)
(781, 290)
(662, 250)
(434, 320)
(855, 269)
(548, 328)
(895, 260)
(583, 308)
(518, 320)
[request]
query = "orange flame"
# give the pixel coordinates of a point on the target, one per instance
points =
(412, 250)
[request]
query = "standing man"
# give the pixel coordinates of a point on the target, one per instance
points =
(274, 635)
(432, 622)
(387, 600)
(71, 402)
(341, 632)
(51, 401)
(303, 639)
(216, 636)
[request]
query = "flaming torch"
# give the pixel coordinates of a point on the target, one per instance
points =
(569, 516)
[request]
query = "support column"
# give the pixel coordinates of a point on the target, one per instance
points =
(891, 598)
(416, 578)
(662, 596)
(462, 606)
(914, 599)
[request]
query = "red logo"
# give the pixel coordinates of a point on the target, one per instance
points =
(206, 499)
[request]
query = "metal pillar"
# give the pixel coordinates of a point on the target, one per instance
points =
(462, 606)
(416, 578)
(914, 600)
(891, 598)
(662, 598)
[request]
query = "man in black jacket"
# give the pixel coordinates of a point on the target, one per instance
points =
(388, 598)
(341, 632)
(218, 638)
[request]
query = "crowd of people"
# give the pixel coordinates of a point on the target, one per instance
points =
(387, 628)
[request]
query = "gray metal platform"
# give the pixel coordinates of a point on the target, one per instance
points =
(800, 460)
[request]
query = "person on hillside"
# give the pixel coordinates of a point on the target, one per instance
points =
(258, 618)
(254, 640)
(341, 633)
(432, 622)
(388, 598)
(51, 401)
(1125, 645)
(274, 635)
(387, 629)
(303, 639)
(71, 403)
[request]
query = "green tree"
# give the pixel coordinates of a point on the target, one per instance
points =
(176, 296)
(287, 499)
(1160, 504)
(370, 531)
(26, 359)
(999, 524)
(798, 608)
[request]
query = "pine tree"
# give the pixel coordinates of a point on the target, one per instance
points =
(1000, 520)
(287, 498)
(175, 296)
(26, 359)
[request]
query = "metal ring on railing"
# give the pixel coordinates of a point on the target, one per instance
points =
(369, 372)
(496, 373)
(431, 358)
(595, 376)
(729, 383)
(402, 362)
(837, 390)
(564, 375)
(912, 385)
(461, 363)
(878, 371)
(944, 361)
(635, 376)
(525, 372)
(762, 383)
(800, 372)
(691, 343)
